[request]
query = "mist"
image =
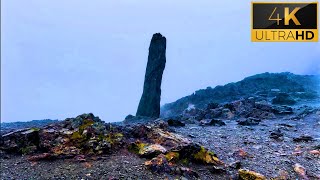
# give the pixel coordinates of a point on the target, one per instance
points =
(63, 58)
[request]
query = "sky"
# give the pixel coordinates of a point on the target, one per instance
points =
(63, 58)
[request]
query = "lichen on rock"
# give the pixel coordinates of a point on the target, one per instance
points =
(245, 174)
(207, 157)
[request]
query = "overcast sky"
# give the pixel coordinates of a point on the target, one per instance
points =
(62, 58)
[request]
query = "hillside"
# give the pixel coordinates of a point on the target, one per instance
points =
(272, 87)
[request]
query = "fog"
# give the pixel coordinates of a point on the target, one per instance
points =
(63, 58)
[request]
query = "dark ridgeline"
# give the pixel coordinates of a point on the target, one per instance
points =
(149, 105)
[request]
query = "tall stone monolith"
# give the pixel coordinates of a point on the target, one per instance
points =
(149, 105)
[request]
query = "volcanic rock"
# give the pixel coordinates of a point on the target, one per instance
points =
(283, 99)
(159, 164)
(152, 150)
(249, 121)
(276, 134)
(23, 141)
(212, 122)
(246, 175)
(149, 105)
(85, 134)
(175, 123)
(302, 138)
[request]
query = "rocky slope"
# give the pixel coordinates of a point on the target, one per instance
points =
(279, 88)
(6, 127)
(259, 128)
(244, 139)
(87, 137)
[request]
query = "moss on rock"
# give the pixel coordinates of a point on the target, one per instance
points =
(207, 157)
(172, 156)
(245, 174)
(136, 147)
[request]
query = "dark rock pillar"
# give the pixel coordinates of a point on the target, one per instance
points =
(149, 105)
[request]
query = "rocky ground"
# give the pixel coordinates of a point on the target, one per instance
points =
(254, 148)
(121, 165)
(243, 139)
(86, 148)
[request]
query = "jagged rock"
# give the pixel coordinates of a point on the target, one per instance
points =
(152, 150)
(314, 152)
(282, 110)
(129, 117)
(214, 113)
(212, 122)
(249, 121)
(286, 125)
(300, 170)
(305, 111)
(73, 123)
(187, 173)
(172, 142)
(317, 146)
(175, 123)
(283, 99)
(263, 106)
(150, 100)
(217, 122)
(44, 156)
(24, 141)
(159, 164)
(235, 165)
(84, 134)
(258, 86)
(212, 105)
(206, 157)
(304, 138)
(217, 170)
(250, 175)
(172, 156)
(191, 136)
(87, 135)
(276, 134)
(227, 113)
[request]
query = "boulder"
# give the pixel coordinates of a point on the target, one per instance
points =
(159, 164)
(168, 142)
(303, 138)
(250, 175)
(23, 141)
(276, 134)
(249, 121)
(227, 113)
(300, 170)
(212, 122)
(175, 123)
(217, 170)
(282, 110)
(152, 150)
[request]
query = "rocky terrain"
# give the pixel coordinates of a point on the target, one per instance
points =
(7, 127)
(243, 139)
(276, 147)
(264, 127)
(86, 138)
(277, 88)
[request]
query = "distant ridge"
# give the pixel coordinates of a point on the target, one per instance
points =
(8, 126)
(264, 86)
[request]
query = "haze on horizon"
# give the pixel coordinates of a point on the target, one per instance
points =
(61, 58)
